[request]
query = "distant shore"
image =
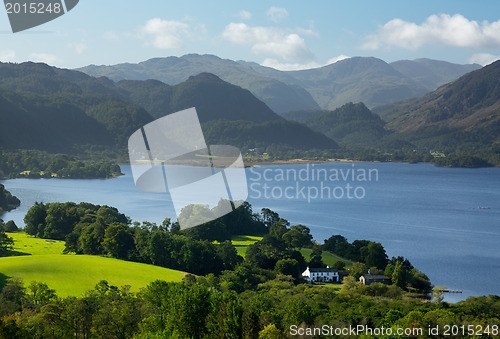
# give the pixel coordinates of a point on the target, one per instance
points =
(297, 161)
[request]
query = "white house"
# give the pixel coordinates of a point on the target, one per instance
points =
(321, 274)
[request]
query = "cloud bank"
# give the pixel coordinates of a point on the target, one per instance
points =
(443, 29)
(164, 34)
(269, 41)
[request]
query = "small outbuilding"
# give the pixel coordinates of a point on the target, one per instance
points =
(368, 279)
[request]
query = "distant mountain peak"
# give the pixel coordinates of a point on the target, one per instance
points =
(205, 76)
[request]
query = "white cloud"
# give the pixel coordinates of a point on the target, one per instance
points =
(443, 29)
(269, 41)
(49, 59)
(111, 36)
(277, 14)
(164, 34)
(337, 58)
(244, 15)
(307, 31)
(7, 55)
(483, 58)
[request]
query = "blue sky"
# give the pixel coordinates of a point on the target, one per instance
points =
(283, 34)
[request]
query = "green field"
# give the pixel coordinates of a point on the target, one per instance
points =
(75, 274)
(328, 258)
(241, 242)
(26, 244)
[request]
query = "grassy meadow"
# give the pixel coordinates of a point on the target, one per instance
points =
(241, 242)
(42, 260)
(328, 258)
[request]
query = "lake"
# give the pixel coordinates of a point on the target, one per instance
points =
(444, 220)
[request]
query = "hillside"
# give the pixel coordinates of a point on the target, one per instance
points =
(75, 274)
(279, 96)
(369, 80)
(213, 98)
(465, 112)
(45, 108)
(229, 114)
(432, 73)
(36, 121)
(7, 200)
(280, 134)
(59, 110)
(351, 124)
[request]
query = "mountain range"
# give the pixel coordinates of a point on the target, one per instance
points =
(359, 79)
(58, 110)
(62, 110)
(279, 96)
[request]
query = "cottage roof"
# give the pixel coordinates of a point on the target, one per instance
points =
(322, 269)
(375, 277)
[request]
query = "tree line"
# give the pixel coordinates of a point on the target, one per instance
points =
(204, 307)
(40, 164)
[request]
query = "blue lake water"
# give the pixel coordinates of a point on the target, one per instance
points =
(445, 220)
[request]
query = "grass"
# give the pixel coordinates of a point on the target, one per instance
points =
(42, 260)
(76, 274)
(241, 242)
(26, 244)
(328, 258)
(335, 287)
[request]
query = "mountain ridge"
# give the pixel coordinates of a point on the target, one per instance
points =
(467, 110)
(327, 87)
(280, 97)
(58, 110)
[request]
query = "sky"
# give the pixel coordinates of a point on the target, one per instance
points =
(281, 34)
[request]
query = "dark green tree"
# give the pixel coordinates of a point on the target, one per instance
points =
(374, 255)
(40, 294)
(399, 276)
(316, 260)
(118, 241)
(357, 270)
(10, 226)
(6, 243)
(60, 220)
(288, 267)
(269, 217)
(92, 237)
(279, 228)
(35, 220)
(298, 236)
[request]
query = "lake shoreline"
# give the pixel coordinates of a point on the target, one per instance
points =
(299, 161)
